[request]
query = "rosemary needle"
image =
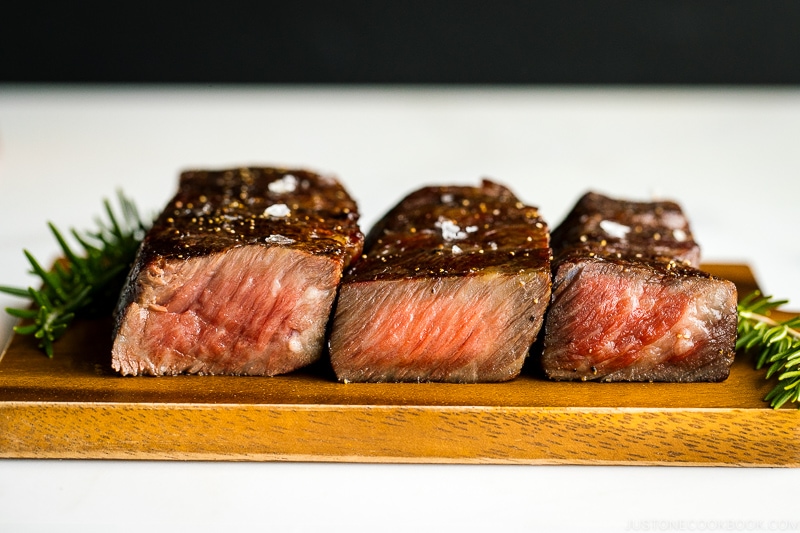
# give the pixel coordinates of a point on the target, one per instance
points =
(777, 344)
(86, 282)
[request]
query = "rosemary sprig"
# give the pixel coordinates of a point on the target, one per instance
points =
(86, 282)
(777, 344)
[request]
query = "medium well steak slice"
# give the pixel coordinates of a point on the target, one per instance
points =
(452, 287)
(238, 275)
(628, 302)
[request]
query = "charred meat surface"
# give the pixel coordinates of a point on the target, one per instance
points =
(628, 302)
(238, 275)
(452, 287)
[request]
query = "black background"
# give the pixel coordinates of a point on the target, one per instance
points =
(420, 42)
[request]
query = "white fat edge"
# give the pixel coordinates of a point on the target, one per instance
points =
(277, 211)
(313, 294)
(614, 229)
(295, 345)
(688, 331)
(278, 239)
(287, 183)
(275, 289)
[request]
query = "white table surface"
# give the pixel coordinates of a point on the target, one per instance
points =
(731, 157)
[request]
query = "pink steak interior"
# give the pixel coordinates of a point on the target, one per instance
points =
(250, 310)
(604, 320)
(448, 329)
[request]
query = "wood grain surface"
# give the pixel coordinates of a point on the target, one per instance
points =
(75, 406)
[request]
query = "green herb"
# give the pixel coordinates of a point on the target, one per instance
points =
(86, 283)
(777, 345)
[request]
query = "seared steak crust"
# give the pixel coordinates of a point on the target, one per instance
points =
(214, 211)
(654, 232)
(237, 275)
(452, 287)
(628, 302)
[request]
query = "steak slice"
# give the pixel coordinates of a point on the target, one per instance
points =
(452, 287)
(238, 275)
(628, 302)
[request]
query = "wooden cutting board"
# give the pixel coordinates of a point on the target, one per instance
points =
(74, 406)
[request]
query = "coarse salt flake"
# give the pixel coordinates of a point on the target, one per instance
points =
(471, 229)
(679, 235)
(450, 230)
(457, 249)
(288, 183)
(277, 210)
(614, 229)
(278, 239)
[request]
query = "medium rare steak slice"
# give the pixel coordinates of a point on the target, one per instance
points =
(238, 275)
(452, 287)
(628, 303)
